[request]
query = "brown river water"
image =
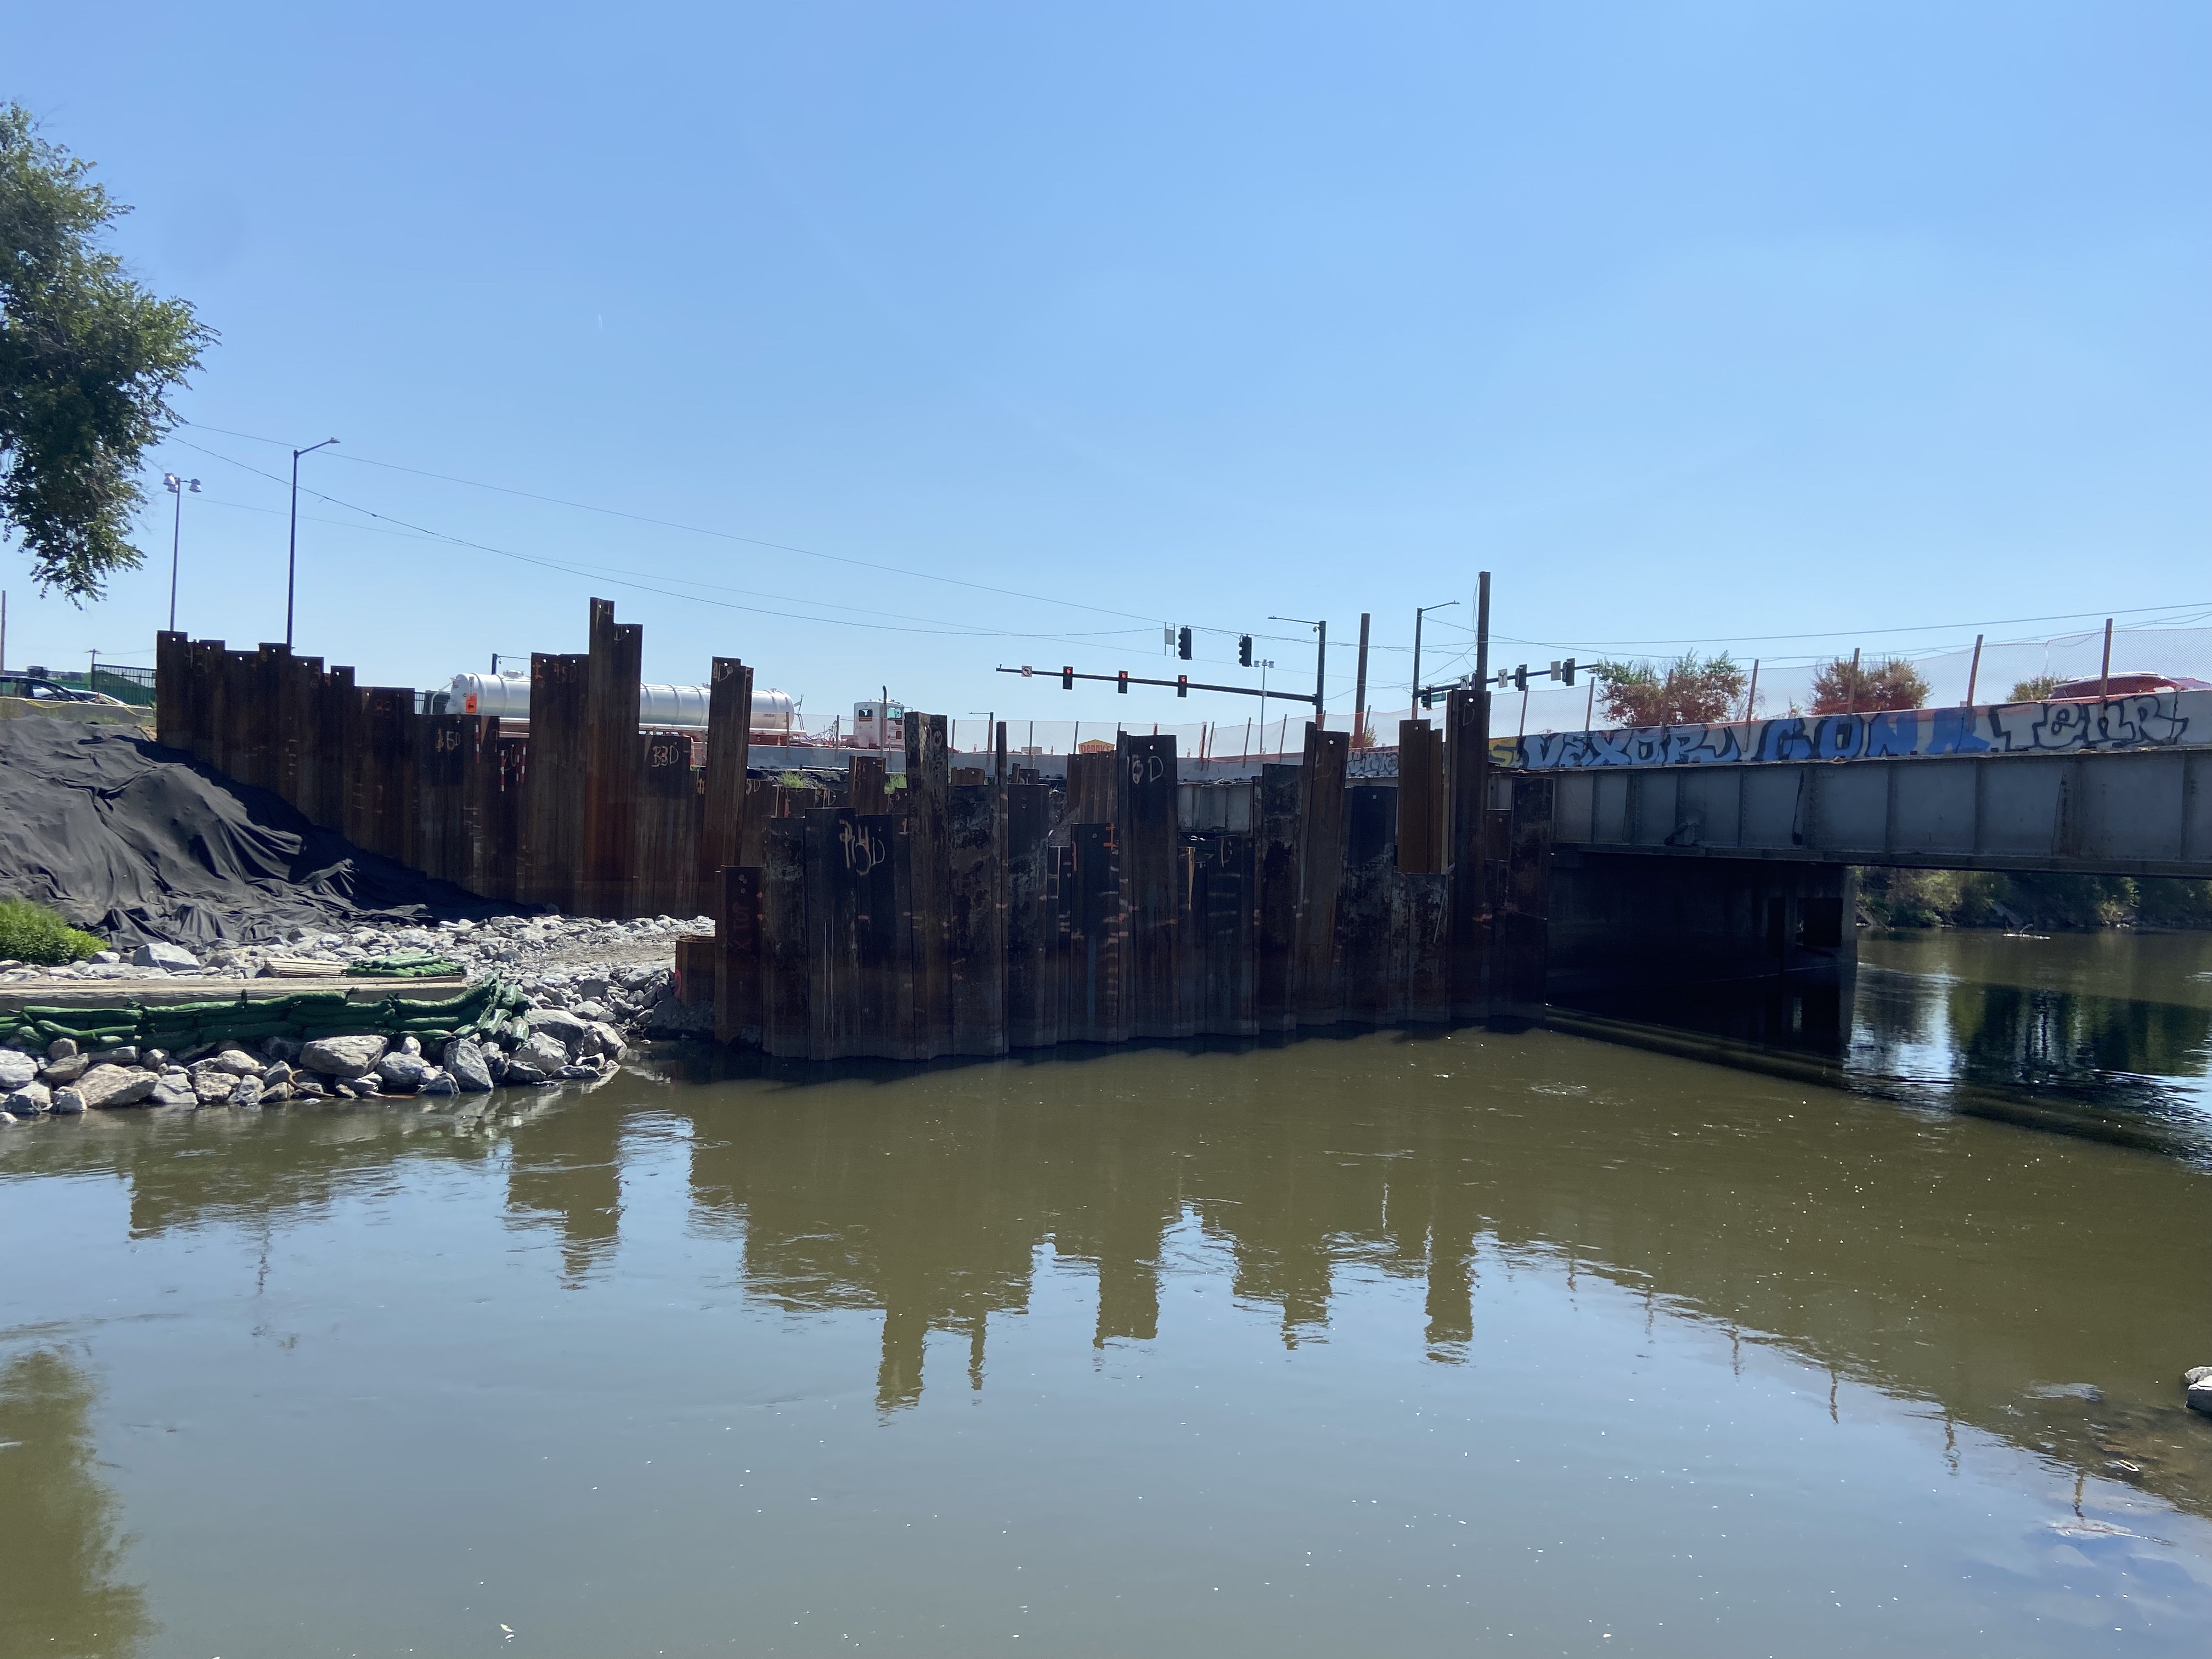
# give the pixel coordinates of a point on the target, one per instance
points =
(1474, 1342)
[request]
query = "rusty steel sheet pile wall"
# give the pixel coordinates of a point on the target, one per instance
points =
(579, 811)
(955, 914)
(971, 919)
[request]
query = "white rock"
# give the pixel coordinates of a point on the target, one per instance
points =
(2200, 1395)
(542, 1053)
(464, 1058)
(248, 1092)
(16, 1068)
(61, 1049)
(68, 1069)
(167, 957)
(115, 1085)
(29, 1100)
(237, 1062)
(67, 1103)
(402, 1072)
(343, 1057)
(213, 1086)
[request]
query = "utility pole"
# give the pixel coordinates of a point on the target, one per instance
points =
(1359, 689)
(1320, 666)
(1482, 646)
(1418, 614)
(176, 486)
(292, 551)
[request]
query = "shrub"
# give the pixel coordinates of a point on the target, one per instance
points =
(2034, 689)
(1688, 691)
(31, 932)
(1844, 687)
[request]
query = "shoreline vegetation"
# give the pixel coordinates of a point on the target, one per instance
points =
(2030, 901)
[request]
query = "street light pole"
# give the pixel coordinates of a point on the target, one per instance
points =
(292, 553)
(177, 486)
(1423, 611)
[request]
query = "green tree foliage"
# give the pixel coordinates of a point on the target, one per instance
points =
(2044, 900)
(1689, 690)
(2035, 690)
(1841, 688)
(88, 361)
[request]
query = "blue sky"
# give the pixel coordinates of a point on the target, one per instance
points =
(1687, 321)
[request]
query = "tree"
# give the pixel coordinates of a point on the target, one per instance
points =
(1844, 686)
(2034, 689)
(88, 360)
(1688, 691)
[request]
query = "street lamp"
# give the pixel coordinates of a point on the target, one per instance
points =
(1419, 613)
(176, 487)
(1320, 662)
(292, 554)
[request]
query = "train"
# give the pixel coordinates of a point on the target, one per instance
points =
(659, 709)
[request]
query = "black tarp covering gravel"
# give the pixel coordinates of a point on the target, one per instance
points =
(140, 843)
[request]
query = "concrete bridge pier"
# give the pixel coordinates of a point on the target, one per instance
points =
(1638, 927)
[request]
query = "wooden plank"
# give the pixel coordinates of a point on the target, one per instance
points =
(882, 854)
(1466, 781)
(1097, 960)
(1093, 782)
(1145, 829)
(303, 734)
(786, 1022)
(616, 666)
(1420, 798)
(1223, 909)
(1321, 872)
(1032, 1006)
(1523, 924)
(1276, 922)
(444, 752)
(833, 962)
(721, 833)
(975, 938)
(928, 765)
(1368, 992)
(553, 824)
(334, 765)
(737, 931)
(759, 807)
(866, 784)
(1423, 909)
(172, 690)
(666, 863)
(697, 959)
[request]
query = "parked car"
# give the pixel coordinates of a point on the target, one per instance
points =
(39, 690)
(2126, 685)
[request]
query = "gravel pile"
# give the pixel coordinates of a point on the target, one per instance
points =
(624, 969)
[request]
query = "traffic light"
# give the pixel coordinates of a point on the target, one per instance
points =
(1124, 688)
(1182, 681)
(1521, 678)
(1567, 671)
(1244, 651)
(1428, 698)
(1182, 645)
(1068, 677)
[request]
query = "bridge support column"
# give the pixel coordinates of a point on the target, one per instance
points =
(1642, 921)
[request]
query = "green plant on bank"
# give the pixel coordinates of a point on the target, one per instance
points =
(2034, 689)
(1981, 898)
(1689, 690)
(1845, 687)
(31, 932)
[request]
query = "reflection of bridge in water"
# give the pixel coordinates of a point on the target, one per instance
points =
(1949, 1263)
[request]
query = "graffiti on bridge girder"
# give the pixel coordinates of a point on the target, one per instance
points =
(2148, 720)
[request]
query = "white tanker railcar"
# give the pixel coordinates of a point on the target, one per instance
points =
(659, 707)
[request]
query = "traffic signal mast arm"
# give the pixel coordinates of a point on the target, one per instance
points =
(1181, 684)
